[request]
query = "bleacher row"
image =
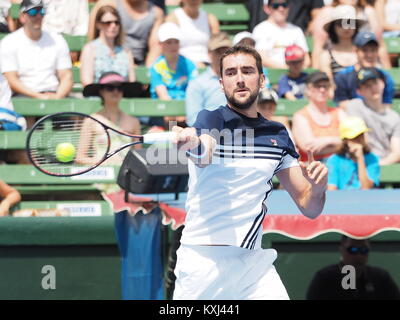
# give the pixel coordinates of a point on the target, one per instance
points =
(31, 183)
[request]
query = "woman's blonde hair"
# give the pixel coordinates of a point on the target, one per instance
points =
(100, 13)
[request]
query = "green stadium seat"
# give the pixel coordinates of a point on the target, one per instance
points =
(14, 10)
(75, 43)
(393, 45)
(28, 175)
(38, 107)
(142, 74)
(233, 17)
(275, 74)
(390, 175)
(133, 106)
(76, 208)
(395, 73)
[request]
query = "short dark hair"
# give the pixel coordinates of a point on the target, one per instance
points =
(245, 50)
(333, 35)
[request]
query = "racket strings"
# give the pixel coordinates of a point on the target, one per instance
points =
(88, 138)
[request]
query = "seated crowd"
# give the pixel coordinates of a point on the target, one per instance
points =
(347, 120)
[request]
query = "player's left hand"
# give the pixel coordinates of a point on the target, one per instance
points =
(315, 172)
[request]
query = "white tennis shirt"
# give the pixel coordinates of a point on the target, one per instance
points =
(226, 201)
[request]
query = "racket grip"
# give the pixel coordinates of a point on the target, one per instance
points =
(159, 137)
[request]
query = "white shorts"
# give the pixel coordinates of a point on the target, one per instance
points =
(227, 273)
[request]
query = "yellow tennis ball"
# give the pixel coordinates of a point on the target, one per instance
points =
(65, 152)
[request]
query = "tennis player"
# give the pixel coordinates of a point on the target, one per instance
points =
(220, 256)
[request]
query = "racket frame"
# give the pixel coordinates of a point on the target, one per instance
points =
(106, 154)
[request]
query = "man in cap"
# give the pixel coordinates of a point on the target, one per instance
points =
(205, 92)
(367, 49)
(276, 33)
(36, 64)
(384, 137)
(370, 283)
(291, 86)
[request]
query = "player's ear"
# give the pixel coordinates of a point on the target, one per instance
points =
(221, 84)
(262, 80)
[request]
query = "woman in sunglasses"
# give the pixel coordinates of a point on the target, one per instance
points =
(111, 88)
(106, 53)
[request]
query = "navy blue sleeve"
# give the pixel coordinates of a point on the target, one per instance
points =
(208, 120)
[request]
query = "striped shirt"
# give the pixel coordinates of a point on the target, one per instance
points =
(226, 201)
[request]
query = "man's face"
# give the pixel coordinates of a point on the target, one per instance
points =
(241, 80)
(372, 89)
(368, 55)
(319, 91)
(33, 18)
(278, 10)
(170, 47)
(354, 252)
(295, 66)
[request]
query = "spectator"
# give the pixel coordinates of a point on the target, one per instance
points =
(275, 34)
(204, 92)
(196, 26)
(36, 63)
(301, 13)
(245, 38)
(340, 51)
(266, 106)
(384, 137)
(9, 197)
(291, 86)
(316, 126)
(389, 15)
(370, 283)
(111, 88)
(7, 24)
(171, 72)
(364, 11)
(66, 16)
(354, 166)
(140, 22)
(106, 53)
(346, 80)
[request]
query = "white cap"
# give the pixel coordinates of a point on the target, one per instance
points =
(240, 36)
(169, 30)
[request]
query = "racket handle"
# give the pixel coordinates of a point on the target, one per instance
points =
(159, 137)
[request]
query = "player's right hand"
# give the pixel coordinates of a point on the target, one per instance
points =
(186, 138)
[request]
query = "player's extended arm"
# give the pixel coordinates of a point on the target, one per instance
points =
(306, 185)
(187, 140)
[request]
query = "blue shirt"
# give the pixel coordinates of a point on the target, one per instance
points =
(294, 85)
(343, 171)
(176, 81)
(346, 86)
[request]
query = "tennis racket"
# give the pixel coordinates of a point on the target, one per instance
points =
(67, 144)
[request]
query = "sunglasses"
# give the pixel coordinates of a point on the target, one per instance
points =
(35, 11)
(111, 88)
(108, 23)
(357, 250)
(276, 6)
(321, 86)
